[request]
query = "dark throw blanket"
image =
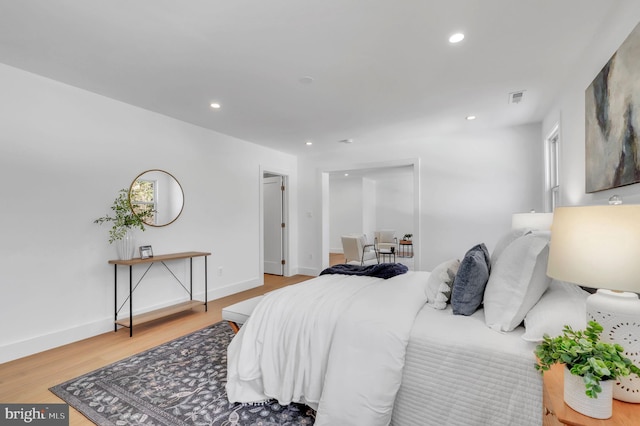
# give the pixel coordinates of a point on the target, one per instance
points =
(381, 270)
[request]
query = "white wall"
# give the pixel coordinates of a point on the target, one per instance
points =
(395, 203)
(64, 154)
(470, 184)
(346, 207)
(369, 207)
(569, 110)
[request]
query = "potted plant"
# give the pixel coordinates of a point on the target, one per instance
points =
(124, 220)
(407, 237)
(590, 367)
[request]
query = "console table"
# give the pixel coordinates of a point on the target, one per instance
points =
(150, 316)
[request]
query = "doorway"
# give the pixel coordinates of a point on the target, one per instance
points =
(412, 164)
(274, 223)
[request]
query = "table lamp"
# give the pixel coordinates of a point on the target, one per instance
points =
(532, 220)
(599, 247)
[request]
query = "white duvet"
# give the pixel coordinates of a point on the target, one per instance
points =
(336, 343)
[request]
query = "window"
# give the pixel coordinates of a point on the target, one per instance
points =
(552, 163)
(143, 200)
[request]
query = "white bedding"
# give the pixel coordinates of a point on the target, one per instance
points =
(336, 343)
(339, 344)
(460, 372)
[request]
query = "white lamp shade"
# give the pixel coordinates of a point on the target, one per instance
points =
(596, 246)
(537, 221)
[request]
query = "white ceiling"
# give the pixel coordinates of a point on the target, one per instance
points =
(382, 69)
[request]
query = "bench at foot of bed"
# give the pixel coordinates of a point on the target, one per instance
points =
(238, 313)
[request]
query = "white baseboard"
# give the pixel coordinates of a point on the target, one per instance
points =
(33, 345)
(45, 342)
(292, 272)
(219, 293)
(314, 272)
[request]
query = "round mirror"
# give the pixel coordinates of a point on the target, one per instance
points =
(156, 197)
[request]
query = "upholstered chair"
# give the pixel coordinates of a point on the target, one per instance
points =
(356, 249)
(386, 240)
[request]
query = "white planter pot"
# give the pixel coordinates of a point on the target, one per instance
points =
(126, 246)
(576, 398)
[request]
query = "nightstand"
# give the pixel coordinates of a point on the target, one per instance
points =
(556, 413)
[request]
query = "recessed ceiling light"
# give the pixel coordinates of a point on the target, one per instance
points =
(346, 174)
(215, 105)
(456, 38)
(349, 140)
(471, 117)
(309, 143)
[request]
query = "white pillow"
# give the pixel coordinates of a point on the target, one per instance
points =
(562, 304)
(516, 282)
(439, 283)
(505, 240)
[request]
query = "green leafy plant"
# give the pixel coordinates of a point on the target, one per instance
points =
(586, 356)
(407, 236)
(124, 218)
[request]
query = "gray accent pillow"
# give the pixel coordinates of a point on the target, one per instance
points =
(471, 280)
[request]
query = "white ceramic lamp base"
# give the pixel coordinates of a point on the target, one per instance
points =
(619, 315)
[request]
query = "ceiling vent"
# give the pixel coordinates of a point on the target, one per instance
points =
(516, 97)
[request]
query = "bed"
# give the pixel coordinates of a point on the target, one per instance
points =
(369, 351)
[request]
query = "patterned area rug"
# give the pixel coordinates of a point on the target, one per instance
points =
(178, 383)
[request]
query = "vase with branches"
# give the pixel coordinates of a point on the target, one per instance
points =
(124, 219)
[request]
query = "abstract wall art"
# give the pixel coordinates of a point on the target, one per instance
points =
(612, 117)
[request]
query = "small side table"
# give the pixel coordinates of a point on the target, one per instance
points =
(556, 412)
(406, 248)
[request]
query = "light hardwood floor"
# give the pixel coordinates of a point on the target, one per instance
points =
(27, 380)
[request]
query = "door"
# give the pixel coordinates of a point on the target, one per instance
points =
(273, 199)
